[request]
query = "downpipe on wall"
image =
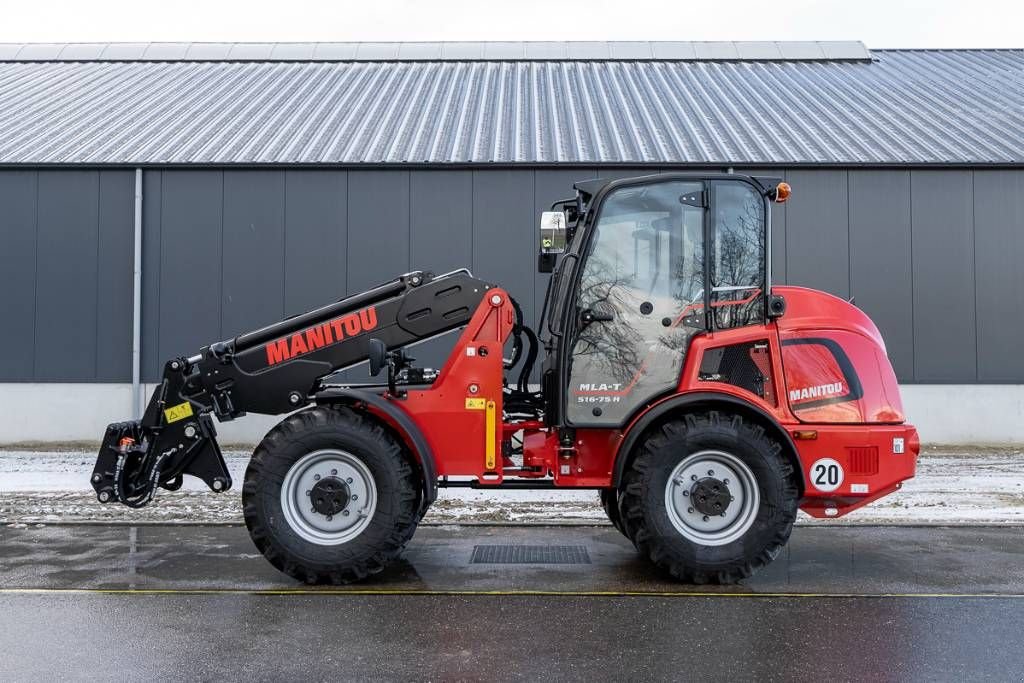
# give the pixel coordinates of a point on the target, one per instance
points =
(137, 394)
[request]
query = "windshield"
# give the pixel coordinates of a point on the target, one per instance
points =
(643, 276)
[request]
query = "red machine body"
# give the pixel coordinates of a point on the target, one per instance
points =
(703, 404)
(829, 388)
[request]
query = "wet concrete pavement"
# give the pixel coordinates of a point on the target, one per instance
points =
(892, 603)
(834, 560)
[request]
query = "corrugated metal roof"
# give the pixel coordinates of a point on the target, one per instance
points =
(467, 51)
(911, 107)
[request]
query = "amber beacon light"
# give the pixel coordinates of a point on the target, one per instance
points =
(782, 192)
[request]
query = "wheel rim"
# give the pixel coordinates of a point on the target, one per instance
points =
(696, 485)
(338, 519)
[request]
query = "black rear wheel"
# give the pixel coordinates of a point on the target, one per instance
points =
(330, 496)
(709, 498)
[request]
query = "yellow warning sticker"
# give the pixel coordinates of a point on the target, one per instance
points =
(476, 403)
(178, 412)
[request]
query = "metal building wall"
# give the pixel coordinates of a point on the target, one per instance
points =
(932, 255)
(66, 275)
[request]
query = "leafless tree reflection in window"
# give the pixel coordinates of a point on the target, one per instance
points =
(738, 251)
(644, 268)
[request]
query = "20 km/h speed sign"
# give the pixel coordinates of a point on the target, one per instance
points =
(826, 475)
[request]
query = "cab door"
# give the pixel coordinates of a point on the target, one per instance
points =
(639, 301)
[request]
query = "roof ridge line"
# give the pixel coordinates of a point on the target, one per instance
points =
(581, 50)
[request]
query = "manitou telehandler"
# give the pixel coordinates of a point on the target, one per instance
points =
(705, 405)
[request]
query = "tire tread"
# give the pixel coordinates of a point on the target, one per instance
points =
(270, 455)
(631, 500)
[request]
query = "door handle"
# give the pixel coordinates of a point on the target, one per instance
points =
(591, 316)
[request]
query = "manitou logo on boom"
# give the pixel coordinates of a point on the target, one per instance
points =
(319, 336)
(820, 391)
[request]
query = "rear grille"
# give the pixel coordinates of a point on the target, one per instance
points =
(862, 460)
(530, 554)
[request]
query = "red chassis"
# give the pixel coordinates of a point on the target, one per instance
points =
(830, 396)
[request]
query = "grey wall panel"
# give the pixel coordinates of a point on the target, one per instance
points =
(66, 276)
(152, 203)
(504, 251)
(999, 245)
(880, 259)
(282, 241)
(253, 258)
(548, 187)
(818, 231)
(440, 237)
(943, 238)
(778, 224)
(441, 215)
(504, 246)
(316, 232)
(17, 274)
(378, 233)
(378, 227)
(114, 285)
(191, 265)
(616, 173)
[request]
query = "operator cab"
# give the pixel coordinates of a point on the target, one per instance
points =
(647, 264)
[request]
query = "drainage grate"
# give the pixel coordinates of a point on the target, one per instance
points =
(530, 554)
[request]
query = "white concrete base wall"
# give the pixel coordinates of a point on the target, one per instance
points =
(81, 412)
(61, 412)
(943, 414)
(966, 413)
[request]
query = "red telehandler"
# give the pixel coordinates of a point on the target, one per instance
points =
(705, 405)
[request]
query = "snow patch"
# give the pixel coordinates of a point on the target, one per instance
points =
(951, 487)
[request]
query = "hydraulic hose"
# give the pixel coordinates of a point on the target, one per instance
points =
(150, 484)
(521, 399)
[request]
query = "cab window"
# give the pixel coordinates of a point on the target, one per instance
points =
(737, 254)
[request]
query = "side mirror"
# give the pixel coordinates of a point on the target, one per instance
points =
(553, 232)
(378, 356)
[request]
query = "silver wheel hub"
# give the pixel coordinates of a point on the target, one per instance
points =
(712, 497)
(328, 497)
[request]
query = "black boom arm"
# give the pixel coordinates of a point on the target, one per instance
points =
(272, 370)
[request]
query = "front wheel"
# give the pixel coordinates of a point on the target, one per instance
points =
(330, 496)
(710, 498)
